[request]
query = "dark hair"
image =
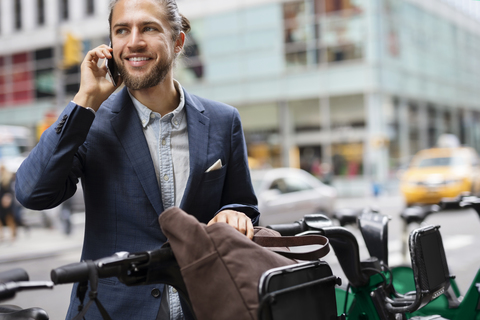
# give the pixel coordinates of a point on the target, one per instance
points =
(177, 21)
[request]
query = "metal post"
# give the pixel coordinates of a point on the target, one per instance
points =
(404, 129)
(423, 124)
(58, 57)
(326, 129)
(285, 131)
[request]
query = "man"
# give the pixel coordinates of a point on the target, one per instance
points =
(148, 147)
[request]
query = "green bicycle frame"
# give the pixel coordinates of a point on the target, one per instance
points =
(469, 307)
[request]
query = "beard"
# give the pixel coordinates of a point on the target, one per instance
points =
(151, 79)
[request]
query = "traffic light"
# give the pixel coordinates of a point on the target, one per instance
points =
(72, 51)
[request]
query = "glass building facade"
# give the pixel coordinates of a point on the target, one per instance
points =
(354, 86)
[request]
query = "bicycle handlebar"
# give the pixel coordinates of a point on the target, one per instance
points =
(149, 267)
(77, 272)
(342, 241)
(290, 229)
(17, 274)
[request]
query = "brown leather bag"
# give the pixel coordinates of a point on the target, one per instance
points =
(221, 267)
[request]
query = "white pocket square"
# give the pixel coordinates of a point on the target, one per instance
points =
(217, 165)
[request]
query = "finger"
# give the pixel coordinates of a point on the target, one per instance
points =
(214, 220)
(100, 52)
(220, 217)
(242, 223)
(232, 219)
(250, 230)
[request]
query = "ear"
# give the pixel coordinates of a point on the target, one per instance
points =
(180, 42)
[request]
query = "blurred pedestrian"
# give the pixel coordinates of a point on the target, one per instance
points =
(326, 172)
(6, 203)
(17, 207)
(65, 216)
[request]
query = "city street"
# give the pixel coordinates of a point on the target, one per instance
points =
(40, 250)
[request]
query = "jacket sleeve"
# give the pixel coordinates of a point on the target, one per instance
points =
(238, 193)
(51, 171)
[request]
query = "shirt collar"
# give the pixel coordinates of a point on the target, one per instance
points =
(146, 115)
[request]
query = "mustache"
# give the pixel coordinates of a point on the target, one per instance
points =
(143, 52)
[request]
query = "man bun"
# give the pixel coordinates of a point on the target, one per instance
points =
(185, 24)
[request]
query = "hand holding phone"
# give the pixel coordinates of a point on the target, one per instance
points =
(112, 69)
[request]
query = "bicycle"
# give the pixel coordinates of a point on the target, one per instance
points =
(370, 293)
(13, 281)
(452, 304)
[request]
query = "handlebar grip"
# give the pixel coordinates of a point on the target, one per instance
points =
(14, 275)
(288, 229)
(70, 273)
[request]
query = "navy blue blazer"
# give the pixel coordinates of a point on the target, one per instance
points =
(108, 152)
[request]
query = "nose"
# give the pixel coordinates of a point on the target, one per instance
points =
(136, 40)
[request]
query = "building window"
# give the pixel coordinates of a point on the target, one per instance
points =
(322, 31)
(40, 12)
(295, 36)
(44, 73)
(16, 79)
(90, 7)
(18, 14)
(64, 10)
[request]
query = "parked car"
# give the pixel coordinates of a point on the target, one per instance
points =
(15, 143)
(287, 194)
(438, 173)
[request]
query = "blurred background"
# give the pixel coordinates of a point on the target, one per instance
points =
(347, 90)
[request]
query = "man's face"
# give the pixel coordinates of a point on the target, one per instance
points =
(142, 40)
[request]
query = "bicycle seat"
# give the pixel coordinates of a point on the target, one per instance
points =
(11, 312)
(418, 214)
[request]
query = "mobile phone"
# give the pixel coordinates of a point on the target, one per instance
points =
(112, 69)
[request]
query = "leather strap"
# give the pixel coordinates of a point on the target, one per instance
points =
(93, 277)
(267, 241)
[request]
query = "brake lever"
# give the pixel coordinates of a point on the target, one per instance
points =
(121, 258)
(8, 290)
(30, 285)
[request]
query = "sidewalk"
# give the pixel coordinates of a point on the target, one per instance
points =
(38, 243)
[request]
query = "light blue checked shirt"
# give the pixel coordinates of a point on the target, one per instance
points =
(167, 139)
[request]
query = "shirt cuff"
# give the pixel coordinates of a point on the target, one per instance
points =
(88, 108)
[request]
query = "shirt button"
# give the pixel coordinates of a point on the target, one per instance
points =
(152, 115)
(155, 293)
(164, 142)
(174, 290)
(165, 177)
(175, 122)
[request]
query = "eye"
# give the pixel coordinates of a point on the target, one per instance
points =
(120, 31)
(149, 29)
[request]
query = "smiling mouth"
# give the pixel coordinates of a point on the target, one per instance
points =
(138, 59)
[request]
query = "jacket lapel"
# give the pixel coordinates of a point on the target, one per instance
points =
(128, 129)
(198, 127)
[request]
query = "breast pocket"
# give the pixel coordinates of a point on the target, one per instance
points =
(215, 175)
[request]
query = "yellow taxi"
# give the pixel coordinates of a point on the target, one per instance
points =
(437, 173)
